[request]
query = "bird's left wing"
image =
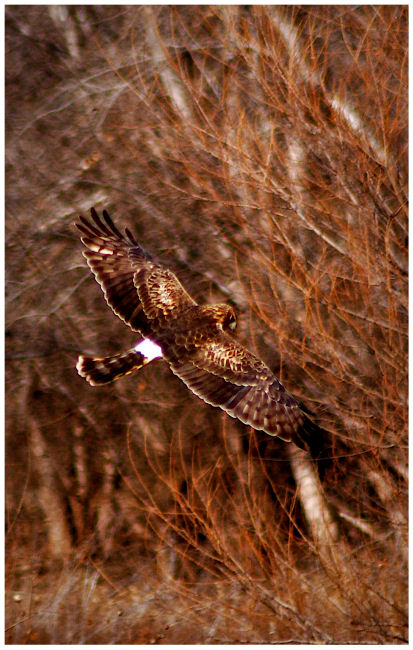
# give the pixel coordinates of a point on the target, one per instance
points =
(224, 373)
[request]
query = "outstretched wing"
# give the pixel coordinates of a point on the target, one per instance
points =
(139, 291)
(224, 373)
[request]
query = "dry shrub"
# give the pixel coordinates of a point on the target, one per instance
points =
(261, 153)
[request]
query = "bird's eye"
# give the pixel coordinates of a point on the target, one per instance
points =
(231, 321)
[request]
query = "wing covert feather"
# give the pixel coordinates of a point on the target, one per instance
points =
(225, 357)
(161, 293)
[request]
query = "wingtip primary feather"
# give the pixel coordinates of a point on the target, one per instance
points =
(105, 226)
(111, 225)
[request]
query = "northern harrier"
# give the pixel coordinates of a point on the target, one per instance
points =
(195, 340)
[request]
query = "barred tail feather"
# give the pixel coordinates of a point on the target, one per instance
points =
(107, 369)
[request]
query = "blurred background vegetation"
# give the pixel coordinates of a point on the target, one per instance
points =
(261, 153)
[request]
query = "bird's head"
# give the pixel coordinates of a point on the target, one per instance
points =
(225, 317)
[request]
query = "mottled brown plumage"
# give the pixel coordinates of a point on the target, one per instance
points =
(193, 339)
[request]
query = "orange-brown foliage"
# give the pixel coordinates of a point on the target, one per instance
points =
(260, 152)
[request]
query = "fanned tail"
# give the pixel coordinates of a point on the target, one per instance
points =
(100, 371)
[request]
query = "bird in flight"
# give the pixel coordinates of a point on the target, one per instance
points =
(194, 340)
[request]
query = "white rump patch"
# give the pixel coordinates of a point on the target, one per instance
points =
(149, 349)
